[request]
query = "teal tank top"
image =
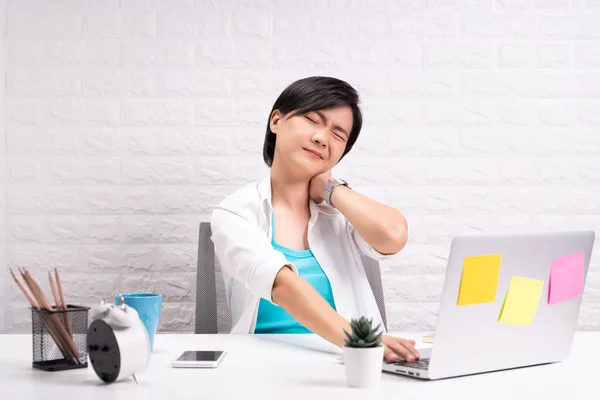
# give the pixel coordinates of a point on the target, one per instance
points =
(274, 319)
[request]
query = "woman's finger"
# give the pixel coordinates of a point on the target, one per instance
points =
(410, 346)
(390, 355)
(401, 350)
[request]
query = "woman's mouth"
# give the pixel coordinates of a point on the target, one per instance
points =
(314, 154)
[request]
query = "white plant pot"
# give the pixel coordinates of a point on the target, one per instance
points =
(363, 366)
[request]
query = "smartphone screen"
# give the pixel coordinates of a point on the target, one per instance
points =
(206, 356)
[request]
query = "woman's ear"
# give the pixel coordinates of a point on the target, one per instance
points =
(274, 121)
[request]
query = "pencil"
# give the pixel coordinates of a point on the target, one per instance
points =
(25, 291)
(63, 301)
(59, 306)
(54, 291)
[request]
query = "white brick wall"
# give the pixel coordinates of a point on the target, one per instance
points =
(3, 270)
(125, 121)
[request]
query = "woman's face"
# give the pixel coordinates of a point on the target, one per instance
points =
(314, 141)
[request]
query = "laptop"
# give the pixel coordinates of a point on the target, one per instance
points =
(509, 301)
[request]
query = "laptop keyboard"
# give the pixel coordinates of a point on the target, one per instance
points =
(418, 364)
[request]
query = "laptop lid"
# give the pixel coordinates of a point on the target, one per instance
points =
(509, 300)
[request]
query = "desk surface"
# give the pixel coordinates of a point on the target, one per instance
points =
(288, 367)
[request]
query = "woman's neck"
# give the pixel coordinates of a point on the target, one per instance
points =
(289, 191)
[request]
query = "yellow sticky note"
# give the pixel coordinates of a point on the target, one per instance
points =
(479, 279)
(521, 301)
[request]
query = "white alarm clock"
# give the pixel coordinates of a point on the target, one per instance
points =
(118, 343)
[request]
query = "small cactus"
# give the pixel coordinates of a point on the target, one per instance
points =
(363, 334)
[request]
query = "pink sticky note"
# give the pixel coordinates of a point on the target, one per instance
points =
(566, 278)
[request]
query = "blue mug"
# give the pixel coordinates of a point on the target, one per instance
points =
(148, 306)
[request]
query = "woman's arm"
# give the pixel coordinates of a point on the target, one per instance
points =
(309, 308)
(244, 251)
(381, 226)
(302, 301)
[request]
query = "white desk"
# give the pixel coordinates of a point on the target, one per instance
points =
(270, 367)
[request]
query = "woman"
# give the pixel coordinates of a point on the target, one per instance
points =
(290, 244)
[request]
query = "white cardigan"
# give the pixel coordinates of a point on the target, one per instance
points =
(242, 231)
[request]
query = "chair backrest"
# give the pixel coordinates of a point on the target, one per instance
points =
(373, 272)
(212, 311)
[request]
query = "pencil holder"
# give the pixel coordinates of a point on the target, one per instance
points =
(60, 338)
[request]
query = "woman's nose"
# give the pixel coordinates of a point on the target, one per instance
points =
(320, 138)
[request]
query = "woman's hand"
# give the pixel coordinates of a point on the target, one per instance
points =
(317, 186)
(398, 348)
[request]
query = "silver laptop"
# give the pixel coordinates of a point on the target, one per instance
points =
(519, 324)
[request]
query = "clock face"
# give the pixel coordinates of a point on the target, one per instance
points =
(104, 351)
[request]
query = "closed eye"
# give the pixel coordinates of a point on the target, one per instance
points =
(340, 137)
(310, 119)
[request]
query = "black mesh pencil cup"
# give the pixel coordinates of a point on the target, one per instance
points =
(60, 338)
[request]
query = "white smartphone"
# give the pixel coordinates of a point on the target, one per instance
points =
(199, 359)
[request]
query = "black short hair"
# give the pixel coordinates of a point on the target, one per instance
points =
(312, 94)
